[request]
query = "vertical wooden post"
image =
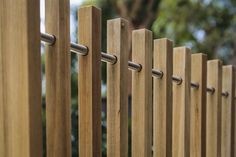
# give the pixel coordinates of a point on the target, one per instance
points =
(181, 103)
(142, 94)
(162, 98)
(90, 83)
(2, 143)
(58, 89)
(117, 89)
(198, 106)
(233, 141)
(213, 117)
(21, 78)
(227, 110)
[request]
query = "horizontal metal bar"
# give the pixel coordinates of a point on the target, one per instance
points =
(157, 73)
(109, 58)
(75, 48)
(79, 49)
(83, 50)
(195, 85)
(225, 94)
(48, 38)
(177, 79)
(134, 66)
(211, 90)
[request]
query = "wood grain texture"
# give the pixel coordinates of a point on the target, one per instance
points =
(90, 83)
(58, 90)
(117, 89)
(227, 110)
(233, 144)
(181, 103)
(2, 145)
(162, 98)
(198, 106)
(142, 94)
(213, 116)
(21, 78)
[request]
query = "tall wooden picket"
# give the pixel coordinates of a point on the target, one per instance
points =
(227, 110)
(213, 117)
(20, 78)
(233, 144)
(198, 106)
(2, 130)
(90, 83)
(58, 117)
(142, 94)
(2, 145)
(117, 89)
(181, 103)
(162, 98)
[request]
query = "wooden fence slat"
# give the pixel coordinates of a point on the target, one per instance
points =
(90, 83)
(117, 89)
(181, 103)
(198, 106)
(213, 116)
(21, 78)
(162, 98)
(234, 119)
(58, 118)
(142, 94)
(227, 110)
(2, 145)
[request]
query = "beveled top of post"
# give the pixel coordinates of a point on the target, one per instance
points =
(90, 7)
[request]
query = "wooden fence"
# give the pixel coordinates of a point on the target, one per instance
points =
(182, 104)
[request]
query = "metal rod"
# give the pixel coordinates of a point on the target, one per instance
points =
(211, 90)
(134, 66)
(83, 50)
(48, 38)
(75, 48)
(79, 49)
(157, 73)
(195, 85)
(109, 58)
(225, 94)
(177, 79)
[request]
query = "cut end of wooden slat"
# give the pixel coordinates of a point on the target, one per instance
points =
(228, 66)
(218, 61)
(118, 19)
(182, 49)
(199, 54)
(89, 7)
(165, 40)
(143, 30)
